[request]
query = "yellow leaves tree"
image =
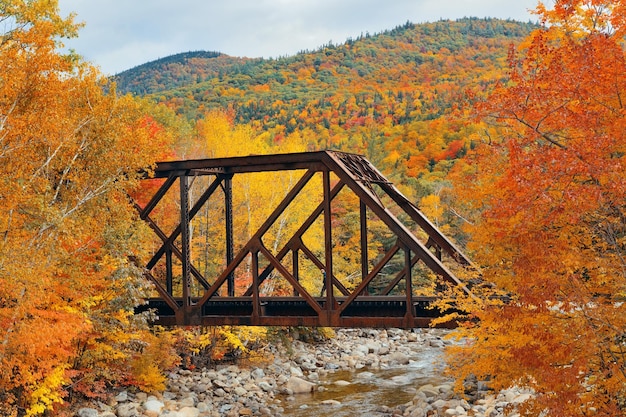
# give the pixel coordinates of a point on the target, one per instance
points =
(550, 189)
(70, 149)
(255, 195)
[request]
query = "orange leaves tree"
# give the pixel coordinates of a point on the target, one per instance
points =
(548, 192)
(69, 151)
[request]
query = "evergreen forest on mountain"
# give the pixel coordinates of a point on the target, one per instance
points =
(508, 136)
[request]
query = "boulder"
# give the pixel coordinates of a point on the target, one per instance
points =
(299, 385)
(188, 412)
(398, 357)
(152, 404)
(128, 410)
(87, 412)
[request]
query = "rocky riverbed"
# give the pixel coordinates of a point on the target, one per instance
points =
(301, 380)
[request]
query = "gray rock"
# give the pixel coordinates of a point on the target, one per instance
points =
(439, 404)
(168, 395)
(296, 371)
(220, 383)
(258, 373)
(188, 412)
(200, 388)
(128, 410)
(299, 385)
(187, 402)
(436, 343)
(87, 412)
(169, 413)
(398, 357)
(360, 350)
(429, 390)
(152, 404)
(265, 386)
(121, 397)
(204, 407)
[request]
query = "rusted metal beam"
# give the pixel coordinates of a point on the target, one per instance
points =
(244, 164)
(340, 306)
(185, 241)
(230, 246)
(165, 247)
(369, 311)
(145, 212)
(371, 199)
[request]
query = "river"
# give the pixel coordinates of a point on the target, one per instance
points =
(369, 389)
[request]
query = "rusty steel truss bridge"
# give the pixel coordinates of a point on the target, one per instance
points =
(385, 289)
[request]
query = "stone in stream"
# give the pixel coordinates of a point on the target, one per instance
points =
(398, 357)
(429, 390)
(299, 385)
(342, 383)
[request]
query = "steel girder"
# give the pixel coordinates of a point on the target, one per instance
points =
(340, 306)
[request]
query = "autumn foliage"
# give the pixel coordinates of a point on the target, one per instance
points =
(546, 193)
(538, 177)
(70, 149)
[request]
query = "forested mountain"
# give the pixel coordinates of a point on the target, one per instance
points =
(410, 66)
(175, 71)
(389, 96)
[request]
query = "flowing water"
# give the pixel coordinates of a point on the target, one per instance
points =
(369, 389)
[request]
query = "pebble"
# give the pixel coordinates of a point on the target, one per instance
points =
(232, 391)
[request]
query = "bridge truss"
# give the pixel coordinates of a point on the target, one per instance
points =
(386, 291)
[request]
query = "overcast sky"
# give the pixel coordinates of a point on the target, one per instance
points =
(121, 34)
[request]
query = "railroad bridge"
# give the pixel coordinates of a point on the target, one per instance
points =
(290, 270)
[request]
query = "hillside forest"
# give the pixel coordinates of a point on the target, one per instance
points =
(508, 136)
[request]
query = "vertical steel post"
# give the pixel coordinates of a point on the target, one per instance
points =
(168, 271)
(256, 304)
(328, 245)
(184, 236)
(295, 262)
(228, 197)
(364, 257)
(408, 279)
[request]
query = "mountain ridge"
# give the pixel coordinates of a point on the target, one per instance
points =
(197, 66)
(402, 97)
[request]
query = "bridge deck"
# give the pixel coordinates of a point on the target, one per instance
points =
(366, 311)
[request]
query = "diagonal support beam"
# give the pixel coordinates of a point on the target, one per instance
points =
(392, 222)
(337, 170)
(157, 230)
